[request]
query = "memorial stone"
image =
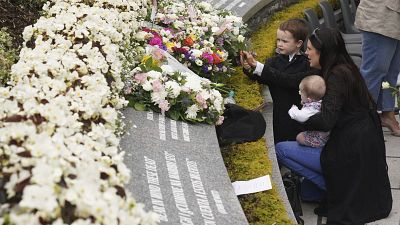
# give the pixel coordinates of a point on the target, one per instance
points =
(178, 171)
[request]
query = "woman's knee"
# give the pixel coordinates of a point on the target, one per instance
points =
(282, 148)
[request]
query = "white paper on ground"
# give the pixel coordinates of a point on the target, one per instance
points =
(252, 186)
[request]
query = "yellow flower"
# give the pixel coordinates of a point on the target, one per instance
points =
(194, 38)
(170, 45)
(145, 58)
(222, 54)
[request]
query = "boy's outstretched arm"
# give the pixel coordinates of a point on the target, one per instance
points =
(273, 76)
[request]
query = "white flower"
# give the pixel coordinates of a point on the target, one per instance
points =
(385, 85)
(154, 74)
(167, 69)
(240, 38)
(191, 112)
(147, 86)
(173, 87)
(141, 35)
(215, 29)
(28, 32)
(197, 53)
(39, 197)
(199, 62)
(160, 16)
(45, 174)
(178, 24)
(157, 97)
(236, 31)
(205, 6)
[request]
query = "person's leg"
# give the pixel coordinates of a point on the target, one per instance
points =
(302, 160)
(388, 101)
(376, 60)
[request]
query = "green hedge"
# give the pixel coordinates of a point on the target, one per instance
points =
(8, 55)
(250, 160)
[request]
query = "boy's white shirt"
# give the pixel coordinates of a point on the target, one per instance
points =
(260, 66)
(259, 69)
(302, 115)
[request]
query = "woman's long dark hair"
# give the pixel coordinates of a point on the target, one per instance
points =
(331, 46)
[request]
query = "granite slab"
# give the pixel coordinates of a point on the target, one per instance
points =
(178, 171)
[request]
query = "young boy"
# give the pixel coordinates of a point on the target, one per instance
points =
(312, 89)
(291, 36)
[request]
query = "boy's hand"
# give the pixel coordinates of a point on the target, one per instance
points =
(243, 61)
(250, 59)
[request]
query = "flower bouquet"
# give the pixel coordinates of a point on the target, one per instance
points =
(201, 56)
(216, 33)
(178, 95)
(203, 20)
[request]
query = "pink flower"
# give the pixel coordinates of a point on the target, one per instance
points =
(208, 57)
(156, 41)
(157, 86)
(201, 101)
(220, 120)
(185, 89)
(158, 54)
(164, 106)
(141, 78)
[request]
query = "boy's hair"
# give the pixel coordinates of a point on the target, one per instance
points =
(313, 87)
(297, 27)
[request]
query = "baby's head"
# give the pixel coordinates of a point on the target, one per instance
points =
(291, 35)
(312, 88)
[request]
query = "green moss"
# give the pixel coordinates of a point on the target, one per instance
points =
(250, 160)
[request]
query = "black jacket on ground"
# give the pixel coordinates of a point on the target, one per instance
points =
(284, 92)
(353, 160)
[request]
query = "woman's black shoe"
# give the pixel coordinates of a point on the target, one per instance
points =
(322, 209)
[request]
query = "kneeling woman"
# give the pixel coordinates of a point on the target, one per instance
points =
(352, 165)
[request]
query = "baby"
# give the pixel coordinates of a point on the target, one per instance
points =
(312, 89)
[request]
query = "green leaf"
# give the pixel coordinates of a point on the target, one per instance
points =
(174, 115)
(139, 106)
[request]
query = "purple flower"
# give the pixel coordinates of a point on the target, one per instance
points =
(220, 41)
(188, 56)
(192, 57)
(205, 69)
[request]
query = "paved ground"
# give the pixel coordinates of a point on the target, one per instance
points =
(243, 8)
